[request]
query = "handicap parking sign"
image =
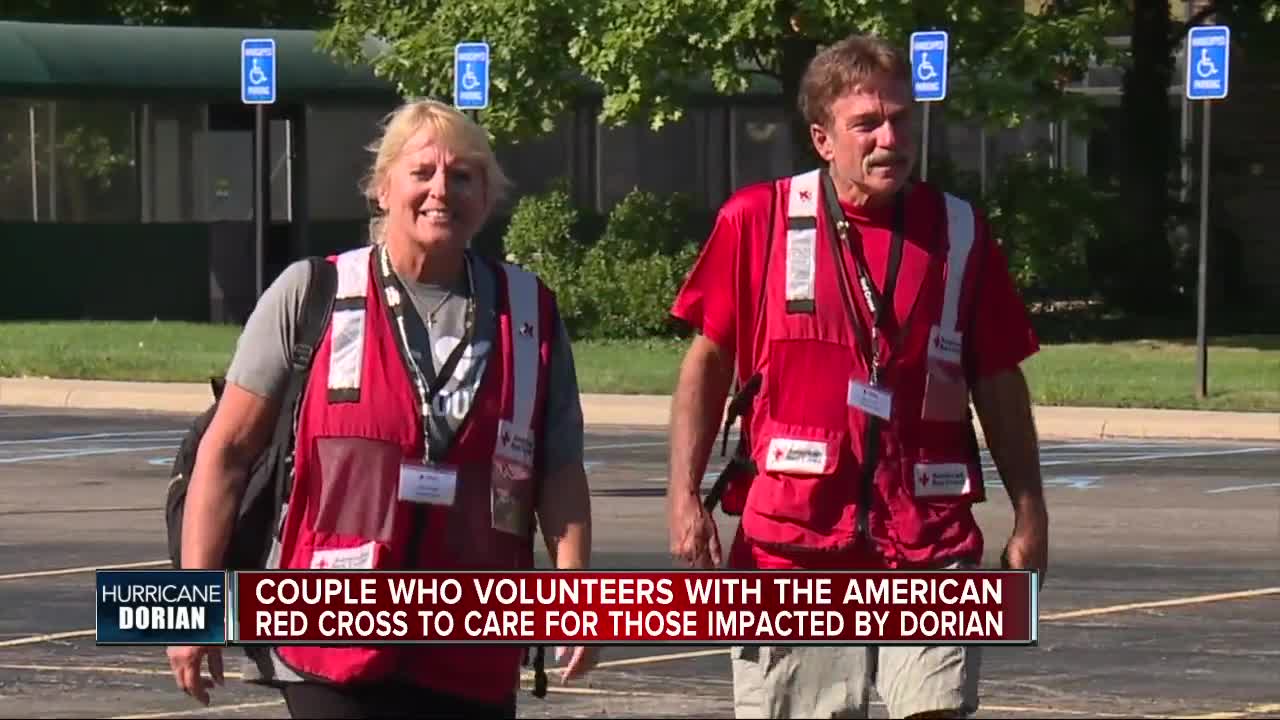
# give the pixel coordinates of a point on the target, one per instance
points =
(929, 65)
(257, 71)
(1208, 56)
(471, 76)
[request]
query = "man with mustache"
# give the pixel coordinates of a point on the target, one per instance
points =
(859, 311)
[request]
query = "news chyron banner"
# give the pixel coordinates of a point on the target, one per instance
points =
(605, 607)
(161, 607)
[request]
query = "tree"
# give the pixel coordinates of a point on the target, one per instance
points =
(249, 13)
(1135, 270)
(646, 57)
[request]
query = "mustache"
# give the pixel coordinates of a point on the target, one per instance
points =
(886, 157)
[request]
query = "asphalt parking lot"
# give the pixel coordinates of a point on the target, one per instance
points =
(1162, 600)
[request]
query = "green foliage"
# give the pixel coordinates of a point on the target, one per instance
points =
(199, 13)
(619, 283)
(544, 237)
(1047, 220)
(647, 57)
(633, 272)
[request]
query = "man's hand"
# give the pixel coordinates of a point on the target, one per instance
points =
(184, 660)
(582, 659)
(1004, 408)
(697, 405)
(1028, 546)
(694, 537)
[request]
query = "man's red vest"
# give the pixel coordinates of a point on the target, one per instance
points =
(360, 419)
(806, 430)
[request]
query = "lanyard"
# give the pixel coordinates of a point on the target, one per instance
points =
(879, 306)
(425, 391)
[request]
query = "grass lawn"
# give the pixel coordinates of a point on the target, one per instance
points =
(1244, 371)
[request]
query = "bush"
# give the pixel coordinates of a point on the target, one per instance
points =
(617, 282)
(633, 272)
(544, 237)
(1047, 220)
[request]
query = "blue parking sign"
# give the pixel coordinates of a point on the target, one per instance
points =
(257, 71)
(1208, 58)
(929, 65)
(471, 76)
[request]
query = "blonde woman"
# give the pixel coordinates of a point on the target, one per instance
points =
(440, 419)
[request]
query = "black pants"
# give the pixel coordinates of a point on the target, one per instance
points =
(388, 700)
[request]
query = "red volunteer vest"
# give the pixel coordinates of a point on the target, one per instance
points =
(359, 420)
(807, 430)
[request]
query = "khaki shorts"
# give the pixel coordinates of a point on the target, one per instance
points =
(836, 682)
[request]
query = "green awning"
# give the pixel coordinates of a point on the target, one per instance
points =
(57, 60)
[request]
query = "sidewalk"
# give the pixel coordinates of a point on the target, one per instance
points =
(653, 411)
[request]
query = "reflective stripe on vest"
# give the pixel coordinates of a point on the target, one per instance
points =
(522, 294)
(946, 338)
(802, 237)
(347, 353)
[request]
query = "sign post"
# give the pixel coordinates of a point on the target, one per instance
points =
(929, 56)
(1207, 59)
(258, 88)
(471, 76)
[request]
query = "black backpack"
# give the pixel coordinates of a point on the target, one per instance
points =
(269, 480)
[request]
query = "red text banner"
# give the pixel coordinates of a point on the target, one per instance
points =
(316, 607)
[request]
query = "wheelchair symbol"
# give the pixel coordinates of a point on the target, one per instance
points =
(469, 79)
(256, 74)
(1205, 67)
(925, 70)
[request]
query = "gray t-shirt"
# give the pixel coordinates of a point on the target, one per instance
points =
(261, 360)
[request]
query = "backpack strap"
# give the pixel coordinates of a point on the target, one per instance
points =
(308, 333)
(316, 306)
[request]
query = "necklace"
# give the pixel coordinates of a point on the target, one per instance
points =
(431, 316)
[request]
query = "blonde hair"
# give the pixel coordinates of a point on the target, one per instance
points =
(451, 129)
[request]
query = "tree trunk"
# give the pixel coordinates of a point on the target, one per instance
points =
(1135, 268)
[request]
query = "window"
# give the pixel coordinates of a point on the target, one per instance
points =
(69, 161)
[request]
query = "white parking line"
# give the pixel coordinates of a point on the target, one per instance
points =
(94, 436)
(211, 710)
(86, 568)
(82, 453)
(624, 446)
(1238, 488)
(47, 637)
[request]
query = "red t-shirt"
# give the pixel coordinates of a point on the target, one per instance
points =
(721, 294)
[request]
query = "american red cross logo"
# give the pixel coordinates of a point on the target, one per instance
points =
(804, 194)
(321, 563)
(777, 454)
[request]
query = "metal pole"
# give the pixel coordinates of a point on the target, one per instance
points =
(53, 161)
(924, 150)
(1202, 350)
(288, 170)
(35, 172)
(982, 160)
(261, 193)
(1185, 120)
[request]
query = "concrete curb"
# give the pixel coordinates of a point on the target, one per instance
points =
(653, 411)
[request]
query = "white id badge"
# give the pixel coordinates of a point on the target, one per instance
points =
(430, 484)
(871, 400)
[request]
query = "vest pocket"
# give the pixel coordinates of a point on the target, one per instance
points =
(356, 486)
(802, 495)
(808, 383)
